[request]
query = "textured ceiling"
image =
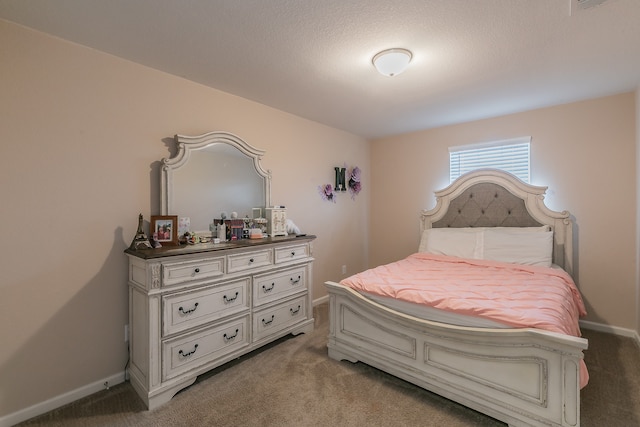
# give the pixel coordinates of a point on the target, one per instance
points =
(472, 58)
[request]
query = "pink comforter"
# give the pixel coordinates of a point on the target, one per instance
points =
(516, 295)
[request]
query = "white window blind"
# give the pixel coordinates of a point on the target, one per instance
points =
(511, 155)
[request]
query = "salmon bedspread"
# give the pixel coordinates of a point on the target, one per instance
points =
(520, 296)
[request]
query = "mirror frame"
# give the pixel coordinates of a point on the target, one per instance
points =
(188, 144)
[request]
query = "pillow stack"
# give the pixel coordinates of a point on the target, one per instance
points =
(519, 245)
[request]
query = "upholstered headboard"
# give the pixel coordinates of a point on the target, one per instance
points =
(494, 198)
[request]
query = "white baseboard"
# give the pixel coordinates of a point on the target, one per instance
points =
(58, 401)
(321, 300)
(615, 330)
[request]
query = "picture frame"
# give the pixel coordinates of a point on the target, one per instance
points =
(166, 227)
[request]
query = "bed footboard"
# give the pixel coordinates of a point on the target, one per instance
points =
(524, 377)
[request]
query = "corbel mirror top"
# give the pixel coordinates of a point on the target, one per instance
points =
(210, 174)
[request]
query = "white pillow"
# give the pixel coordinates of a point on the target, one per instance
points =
(506, 244)
(518, 246)
(541, 228)
(460, 242)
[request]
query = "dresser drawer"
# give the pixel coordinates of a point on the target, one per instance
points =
(291, 253)
(275, 319)
(188, 309)
(274, 286)
(249, 260)
(184, 353)
(180, 272)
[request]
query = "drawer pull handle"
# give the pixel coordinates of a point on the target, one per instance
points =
(250, 260)
(294, 312)
(265, 289)
(197, 270)
(230, 337)
(183, 311)
(183, 354)
(295, 281)
(293, 253)
(268, 322)
(232, 299)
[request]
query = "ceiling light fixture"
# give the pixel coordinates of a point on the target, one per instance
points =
(392, 62)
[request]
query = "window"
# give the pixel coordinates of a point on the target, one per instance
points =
(511, 155)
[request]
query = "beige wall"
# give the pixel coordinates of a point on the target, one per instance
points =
(81, 132)
(585, 152)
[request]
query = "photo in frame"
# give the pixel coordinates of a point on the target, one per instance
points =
(165, 227)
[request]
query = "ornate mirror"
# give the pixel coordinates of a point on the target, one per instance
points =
(210, 174)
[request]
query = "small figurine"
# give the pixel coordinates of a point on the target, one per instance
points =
(156, 244)
(140, 241)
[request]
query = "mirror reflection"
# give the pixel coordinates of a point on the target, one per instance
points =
(211, 174)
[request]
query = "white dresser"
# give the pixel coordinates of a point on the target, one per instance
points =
(194, 308)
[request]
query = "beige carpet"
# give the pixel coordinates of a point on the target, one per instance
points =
(293, 383)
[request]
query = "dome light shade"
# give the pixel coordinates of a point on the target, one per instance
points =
(392, 62)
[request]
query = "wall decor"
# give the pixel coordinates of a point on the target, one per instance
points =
(346, 179)
(340, 179)
(354, 184)
(327, 193)
(166, 229)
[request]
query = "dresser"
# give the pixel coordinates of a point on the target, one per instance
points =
(197, 307)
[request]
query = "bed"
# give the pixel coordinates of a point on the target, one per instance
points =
(521, 375)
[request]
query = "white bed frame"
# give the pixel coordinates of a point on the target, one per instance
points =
(524, 377)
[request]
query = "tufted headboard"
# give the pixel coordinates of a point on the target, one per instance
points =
(494, 198)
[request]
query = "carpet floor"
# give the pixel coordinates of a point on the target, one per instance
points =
(292, 382)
